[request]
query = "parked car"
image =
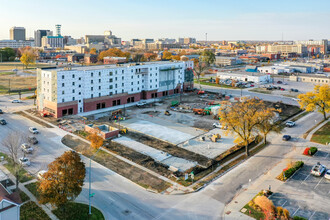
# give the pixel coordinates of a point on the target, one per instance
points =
(3, 121)
(282, 89)
(33, 130)
(318, 169)
(26, 148)
(294, 90)
(24, 161)
(16, 101)
(295, 99)
(269, 88)
(1, 112)
(141, 103)
(216, 125)
(32, 140)
(41, 173)
(290, 124)
(327, 175)
(286, 137)
(279, 82)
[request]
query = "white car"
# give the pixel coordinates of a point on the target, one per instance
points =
(41, 173)
(318, 169)
(24, 161)
(217, 125)
(27, 148)
(141, 103)
(327, 175)
(290, 124)
(295, 99)
(33, 130)
(16, 101)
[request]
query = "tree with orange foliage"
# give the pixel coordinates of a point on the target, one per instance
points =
(113, 52)
(95, 139)
(176, 57)
(150, 56)
(266, 205)
(93, 51)
(167, 55)
(63, 181)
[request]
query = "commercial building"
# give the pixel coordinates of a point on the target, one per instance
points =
(15, 44)
(53, 41)
(17, 33)
(39, 34)
(108, 39)
(227, 61)
(245, 76)
(286, 68)
(321, 45)
(311, 78)
(76, 90)
(286, 50)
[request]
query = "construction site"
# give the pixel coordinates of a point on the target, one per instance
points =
(173, 136)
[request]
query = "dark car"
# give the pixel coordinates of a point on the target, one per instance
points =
(2, 121)
(1, 112)
(286, 137)
(279, 82)
(269, 88)
(32, 140)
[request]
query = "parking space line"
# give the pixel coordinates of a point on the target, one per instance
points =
(305, 179)
(318, 183)
(311, 215)
(284, 203)
(296, 211)
(326, 156)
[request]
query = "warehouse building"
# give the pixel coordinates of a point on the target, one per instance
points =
(69, 91)
(245, 76)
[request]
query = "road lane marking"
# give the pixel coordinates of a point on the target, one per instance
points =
(296, 211)
(284, 203)
(305, 179)
(318, 183)
(312, 215)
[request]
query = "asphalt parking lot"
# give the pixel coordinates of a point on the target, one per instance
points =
(306, 195)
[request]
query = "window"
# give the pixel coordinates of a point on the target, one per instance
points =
(143, 81)
(73, 91)
(131, 71)
(122, 78)
(79, 78)
(99, 87)
(99, 73)
(79, 93)
(150, 68)
(62, 92)
(110, 80)
(91, 95)
(116, 78)
(92, 88)
(142, 87)
(62, 76)
(73, 76)
(122, 84)
(131, 77)
(110, 87)
(62, 100)
(156, 68)
(72, 98)
(79, 86)
(150, 87)
(156, 74)
(138, 76)
(116, 86)
(110, 93)
(122, 91)
(156, 80)
(122, 71)
(92, 74)
(132, 89)
(99, 80)
(79, 101)
(131, 83)
(110, 73)
(73, 83)
(62, 84)
(151, 80)
(92, 81)
(116, 72)
(99, 94)
(138, 88)
(150, 74)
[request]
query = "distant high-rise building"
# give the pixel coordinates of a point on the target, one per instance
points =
(17, 33)
(38, 34)
(58, 29)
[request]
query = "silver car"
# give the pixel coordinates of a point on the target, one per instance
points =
(318, 169)
(327, 175)
(26, 148)
(33, 130)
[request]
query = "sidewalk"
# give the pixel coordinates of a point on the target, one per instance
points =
(27, 192)
(309, 136)
(176, 186)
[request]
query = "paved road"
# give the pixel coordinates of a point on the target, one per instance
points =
(119, 198)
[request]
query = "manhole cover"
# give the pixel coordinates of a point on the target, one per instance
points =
(126, 212)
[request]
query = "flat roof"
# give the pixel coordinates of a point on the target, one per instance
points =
(242, 73)
(125, 65)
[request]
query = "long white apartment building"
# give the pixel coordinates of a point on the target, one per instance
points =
(69, 91)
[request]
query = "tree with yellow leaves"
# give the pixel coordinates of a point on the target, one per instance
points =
(318, 100)
(63, 181)
(266, 121)
(93, 51)
(246, 119)
(29, 56)
(167, 55)
(95, 139)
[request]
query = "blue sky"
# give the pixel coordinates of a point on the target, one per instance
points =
(222, 20)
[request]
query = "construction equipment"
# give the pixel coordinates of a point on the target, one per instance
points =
(200, 92)
(167, 113)
(200, 111)
(123, 131)
(174, 103)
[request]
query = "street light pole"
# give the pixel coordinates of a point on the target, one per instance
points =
(90, 182)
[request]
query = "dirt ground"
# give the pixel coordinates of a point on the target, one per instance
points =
(136, 175)
(169, 148)
(17, 82)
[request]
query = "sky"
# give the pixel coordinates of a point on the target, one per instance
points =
(221, 20)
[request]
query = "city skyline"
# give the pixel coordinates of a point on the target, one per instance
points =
(222, 20)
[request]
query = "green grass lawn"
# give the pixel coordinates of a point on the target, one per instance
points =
(214, 84)
(322, 135)
(31, 211)
(32, 187)
(78, 211)
(253, 213)
(24, 176)
(7, 73)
